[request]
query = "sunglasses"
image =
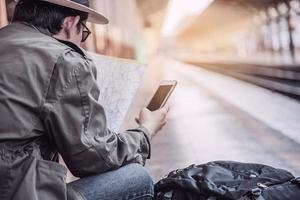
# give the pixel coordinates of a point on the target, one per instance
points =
(85, 33)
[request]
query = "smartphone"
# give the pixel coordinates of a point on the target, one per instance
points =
(161, 95)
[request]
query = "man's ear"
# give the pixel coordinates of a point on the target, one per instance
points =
(76, 20)
(69, 23)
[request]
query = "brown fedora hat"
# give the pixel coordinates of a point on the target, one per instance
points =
(94, 16)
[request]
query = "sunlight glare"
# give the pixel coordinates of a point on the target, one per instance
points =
(178, 9)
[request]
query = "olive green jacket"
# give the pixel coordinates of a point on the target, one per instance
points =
(48, 105)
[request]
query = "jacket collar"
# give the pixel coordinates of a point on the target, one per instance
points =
(73, 46)
(47, 32)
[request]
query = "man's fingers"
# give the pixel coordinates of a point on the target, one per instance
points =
(137, 120)
(164, 110)
(168, 107)
(164, 123)
(145, 110)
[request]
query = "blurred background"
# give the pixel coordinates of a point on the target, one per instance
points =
(237, 63)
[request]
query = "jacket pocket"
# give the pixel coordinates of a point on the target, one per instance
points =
(51, 180)
(31, 178)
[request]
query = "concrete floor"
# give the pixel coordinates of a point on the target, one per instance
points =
(204, 126)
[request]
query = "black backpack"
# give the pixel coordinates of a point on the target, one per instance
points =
(226, 180)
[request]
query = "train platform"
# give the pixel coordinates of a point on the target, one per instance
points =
(217, 117)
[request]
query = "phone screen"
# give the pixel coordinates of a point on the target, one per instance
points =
(159, 97)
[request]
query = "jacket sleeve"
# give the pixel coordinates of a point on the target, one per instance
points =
(76, 122)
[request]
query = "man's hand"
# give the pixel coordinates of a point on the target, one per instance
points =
(153, 121)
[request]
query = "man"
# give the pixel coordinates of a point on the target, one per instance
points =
(48, 105)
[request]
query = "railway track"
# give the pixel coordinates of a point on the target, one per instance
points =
(285, 79)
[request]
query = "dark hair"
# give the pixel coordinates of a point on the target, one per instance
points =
(45, 15)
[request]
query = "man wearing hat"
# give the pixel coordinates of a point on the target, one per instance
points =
(48, 105)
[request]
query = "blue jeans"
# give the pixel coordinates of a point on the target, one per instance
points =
(130, 182)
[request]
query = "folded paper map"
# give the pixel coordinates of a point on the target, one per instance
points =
(119, 80)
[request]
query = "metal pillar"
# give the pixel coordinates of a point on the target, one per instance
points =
(279, 28)
(269, 29)
(281, 45)
(290, 28)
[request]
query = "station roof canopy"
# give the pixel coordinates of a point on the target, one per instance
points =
(149, 7)
(222, 18)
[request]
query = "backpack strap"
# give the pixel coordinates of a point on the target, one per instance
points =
(296, 181)
(255, 194)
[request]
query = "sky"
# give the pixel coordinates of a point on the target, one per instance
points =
(178, 9)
